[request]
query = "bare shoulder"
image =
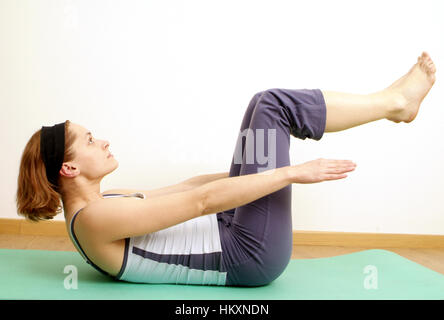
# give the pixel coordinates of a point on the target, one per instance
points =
(117, 218)
(108, 255)
(109, 209)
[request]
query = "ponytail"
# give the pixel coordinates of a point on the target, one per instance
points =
(37, 199)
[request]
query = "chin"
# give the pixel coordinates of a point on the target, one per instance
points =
(114, 166)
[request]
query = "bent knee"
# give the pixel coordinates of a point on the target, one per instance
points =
(253, 274)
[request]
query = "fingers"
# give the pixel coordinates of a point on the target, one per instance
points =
(345, 162)
(340, 162)
(339, 167)
(336, 176)
(339, 171)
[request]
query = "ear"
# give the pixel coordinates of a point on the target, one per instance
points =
(69, 170)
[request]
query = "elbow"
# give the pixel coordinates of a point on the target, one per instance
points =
(202, 201)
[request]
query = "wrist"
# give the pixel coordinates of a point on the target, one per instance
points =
(291, 173)
(285, 174)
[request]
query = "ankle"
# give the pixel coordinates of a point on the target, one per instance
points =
(391, 100)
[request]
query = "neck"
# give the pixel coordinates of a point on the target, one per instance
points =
(76, 197)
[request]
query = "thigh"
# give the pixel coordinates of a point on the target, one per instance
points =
(240, 143)
(239, 149)
(257, 237)
(264, 226)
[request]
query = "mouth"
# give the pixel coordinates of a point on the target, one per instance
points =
(110, 155)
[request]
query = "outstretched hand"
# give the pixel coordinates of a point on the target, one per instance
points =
(319, 170)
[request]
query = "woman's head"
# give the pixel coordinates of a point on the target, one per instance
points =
(91, 161)
(85, 162)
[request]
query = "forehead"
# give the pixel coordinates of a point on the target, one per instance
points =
(78, 129)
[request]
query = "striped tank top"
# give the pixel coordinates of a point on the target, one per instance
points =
(186, 253)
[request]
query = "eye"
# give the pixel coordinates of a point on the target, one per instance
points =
(90, 139)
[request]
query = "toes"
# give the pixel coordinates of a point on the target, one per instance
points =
(424, 57)
(430, 66)
(425, 62)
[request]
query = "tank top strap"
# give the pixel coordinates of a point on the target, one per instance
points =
(74, 238)
(79, 248)
(135, 194)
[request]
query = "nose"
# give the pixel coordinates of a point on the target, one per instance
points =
(106, 145)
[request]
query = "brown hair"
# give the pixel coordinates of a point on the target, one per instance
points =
(37, 199)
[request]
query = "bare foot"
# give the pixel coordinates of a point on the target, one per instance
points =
(412, 88)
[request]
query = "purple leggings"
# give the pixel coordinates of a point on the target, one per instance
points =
(257, 238)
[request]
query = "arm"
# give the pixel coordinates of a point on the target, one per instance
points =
(118, 218)
(203, 179)
(185, 185)
(228, 193)
(174, 188)
(232, 192)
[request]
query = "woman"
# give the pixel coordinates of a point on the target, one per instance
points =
(233, 228)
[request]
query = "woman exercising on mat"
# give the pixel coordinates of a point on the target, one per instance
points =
(233, 228)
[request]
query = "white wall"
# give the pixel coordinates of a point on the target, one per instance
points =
(167, 83)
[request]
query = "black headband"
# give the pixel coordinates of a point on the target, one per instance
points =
(52, 147)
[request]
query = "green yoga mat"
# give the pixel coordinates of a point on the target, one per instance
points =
(364, 275)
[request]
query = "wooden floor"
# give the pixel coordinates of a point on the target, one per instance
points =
(430, 258)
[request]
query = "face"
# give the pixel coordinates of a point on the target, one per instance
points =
(92, 155)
